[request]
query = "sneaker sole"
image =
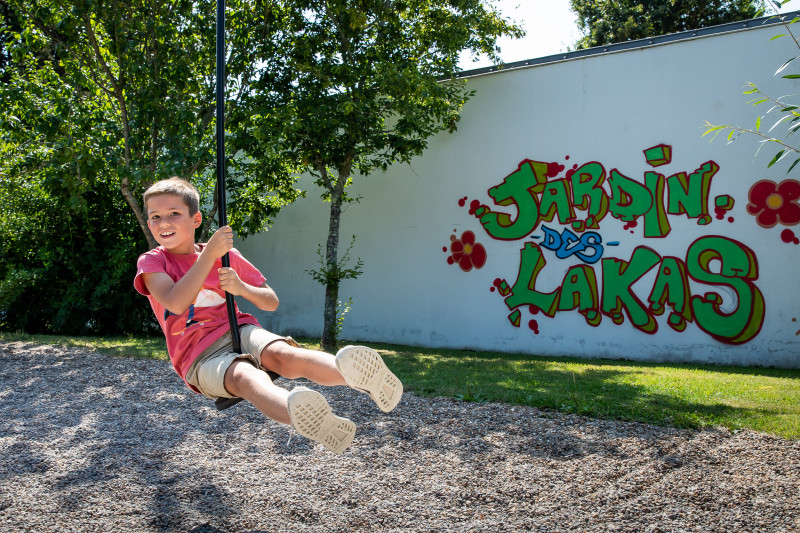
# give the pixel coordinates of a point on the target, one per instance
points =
(364, 370)
(313, 418)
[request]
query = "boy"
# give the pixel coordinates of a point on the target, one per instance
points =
(185, 284)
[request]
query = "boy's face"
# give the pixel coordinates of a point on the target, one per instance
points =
(171, 224)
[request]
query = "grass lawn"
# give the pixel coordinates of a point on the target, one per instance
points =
(763, 399)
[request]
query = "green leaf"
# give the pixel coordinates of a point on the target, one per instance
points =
(777, 158)
(784, 66)
(782, 119)
(791, 76)
(778, 36)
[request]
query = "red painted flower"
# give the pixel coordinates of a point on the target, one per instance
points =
(466, 252)
(772, 203)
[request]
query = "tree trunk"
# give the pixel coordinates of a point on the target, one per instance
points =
(329, 333)
(141, 218)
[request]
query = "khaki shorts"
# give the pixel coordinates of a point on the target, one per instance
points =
(207, 372)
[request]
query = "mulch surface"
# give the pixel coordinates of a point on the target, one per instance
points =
(96, 443)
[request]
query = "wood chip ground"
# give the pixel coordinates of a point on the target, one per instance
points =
(113, 444)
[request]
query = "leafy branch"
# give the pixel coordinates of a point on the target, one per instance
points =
(787, 112)
(333, 274)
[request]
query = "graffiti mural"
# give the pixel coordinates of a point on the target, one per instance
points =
(527, 203)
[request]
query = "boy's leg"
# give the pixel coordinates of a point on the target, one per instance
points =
(306, 410)
(356, 366)
(293, 362)
(244, 380)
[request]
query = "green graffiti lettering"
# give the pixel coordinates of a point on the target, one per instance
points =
(689, 196)
(738, 268)
(579, 290)
(524, 291)
(655, 220)
(556, 200)
(672, 288)
(518, 188)
(629, 199)
(588, 193)
(618, 279)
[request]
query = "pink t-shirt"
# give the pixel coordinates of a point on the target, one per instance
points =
(206, 320)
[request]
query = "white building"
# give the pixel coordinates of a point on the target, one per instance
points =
(611, 227)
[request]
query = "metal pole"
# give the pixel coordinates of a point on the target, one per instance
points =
(221, 201)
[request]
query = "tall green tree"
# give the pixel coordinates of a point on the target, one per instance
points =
(349, 87)
(100, 98)
(145, 70)
(606, 21)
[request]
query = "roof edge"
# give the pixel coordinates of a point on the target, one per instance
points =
(741, 25)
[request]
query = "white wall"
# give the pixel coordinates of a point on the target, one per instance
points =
(605, 108)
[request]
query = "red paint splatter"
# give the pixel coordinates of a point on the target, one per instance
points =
(533, 309)
(444, 248)
(473, 206)
(492, 289)
(787, 236)
(566, 157)
(632, 224)
(554, 169)
(450, 260)
(534, 326)
(462, 202)
(730, 219)
(571, 171)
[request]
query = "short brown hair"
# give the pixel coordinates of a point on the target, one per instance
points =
(177, 186)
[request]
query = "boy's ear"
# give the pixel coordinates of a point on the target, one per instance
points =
(198, 218)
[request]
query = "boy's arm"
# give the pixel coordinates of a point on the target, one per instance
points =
(262, 297)
(177, 296)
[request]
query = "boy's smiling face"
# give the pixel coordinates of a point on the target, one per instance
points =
(171, 224)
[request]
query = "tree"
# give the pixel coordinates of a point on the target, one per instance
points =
(349, 87)
(606, 21)
(100, 98)
(138, 79)
(65, 269)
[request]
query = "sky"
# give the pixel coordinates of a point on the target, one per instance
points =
(551, 28)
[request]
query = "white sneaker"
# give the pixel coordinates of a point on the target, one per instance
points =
(313, 418)
(364, 370)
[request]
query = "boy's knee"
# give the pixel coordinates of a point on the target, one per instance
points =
(239, 376)
(275, 357)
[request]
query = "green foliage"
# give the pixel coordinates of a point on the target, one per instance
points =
(101, 98)
(783, 110)
(333, 275)
(124, 91)
(68, 269)
(606, 21)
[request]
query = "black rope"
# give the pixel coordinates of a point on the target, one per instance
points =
(224, 403)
